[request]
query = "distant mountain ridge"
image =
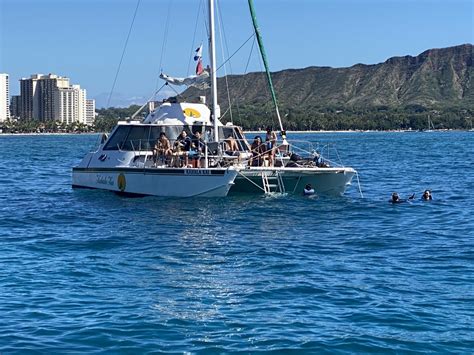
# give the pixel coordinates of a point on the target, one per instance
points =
(436, 77)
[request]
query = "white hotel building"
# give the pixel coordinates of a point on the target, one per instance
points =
(90, 112)
(51, 97)
(70, 104)
(4, 98)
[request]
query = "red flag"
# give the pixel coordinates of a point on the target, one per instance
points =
(199, 68)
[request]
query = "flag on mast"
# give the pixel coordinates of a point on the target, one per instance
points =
(198, 54)
(198, 59)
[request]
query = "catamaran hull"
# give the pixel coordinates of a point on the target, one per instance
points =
(330, 181)
(156, 182)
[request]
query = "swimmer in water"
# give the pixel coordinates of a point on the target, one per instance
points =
(308, 190)
(426, 196)
(396, 198)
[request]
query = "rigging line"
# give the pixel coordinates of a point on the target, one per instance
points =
(238, 49)
(236, 100)
(204, 15)
(165, 40)
(123, 52)
(219, 16)
(177, 93)
(221, 22)
(146, 102)
(194, 37)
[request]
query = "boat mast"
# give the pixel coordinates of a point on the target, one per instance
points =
(212, 52)
(264, 58)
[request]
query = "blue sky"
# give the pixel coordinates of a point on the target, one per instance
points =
(84, 39)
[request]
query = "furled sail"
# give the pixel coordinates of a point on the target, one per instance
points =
(200, 81)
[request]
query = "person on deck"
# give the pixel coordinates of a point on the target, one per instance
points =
(162, 147)
(232, 148)
(197, 148)
(183, 146)
(270, 143)
(258, 150)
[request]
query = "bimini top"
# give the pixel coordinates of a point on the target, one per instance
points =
(180, 114)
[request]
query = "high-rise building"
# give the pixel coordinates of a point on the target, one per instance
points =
(47, 86)
(70, 104)
(4, 98)
(90, 112)
(37, 96)
(15, 106)
(29, 98)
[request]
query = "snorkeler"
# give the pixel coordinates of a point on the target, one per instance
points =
(426, 196)
(396, 198)
(308, 190)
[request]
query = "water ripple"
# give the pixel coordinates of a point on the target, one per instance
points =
(92, 272)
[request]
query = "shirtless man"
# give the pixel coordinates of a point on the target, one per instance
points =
(162, 147)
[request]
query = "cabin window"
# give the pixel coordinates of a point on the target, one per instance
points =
(225, 131)
(117, 140)
(138, 139)
(172, 132)
(130, 138)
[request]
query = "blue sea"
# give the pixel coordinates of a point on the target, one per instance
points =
(92, 272)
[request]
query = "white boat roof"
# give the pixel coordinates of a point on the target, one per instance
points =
(182, 113)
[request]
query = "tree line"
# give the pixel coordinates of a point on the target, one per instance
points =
(253, 117)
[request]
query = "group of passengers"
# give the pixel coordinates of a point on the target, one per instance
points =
(184, 150)
(261, 150)
(188, 151)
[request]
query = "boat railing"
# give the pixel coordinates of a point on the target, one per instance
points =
(325, 152)
(211, 155)
(218, 154)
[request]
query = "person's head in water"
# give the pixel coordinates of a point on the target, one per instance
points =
(395, 197)
(308, 190)
(427, 195)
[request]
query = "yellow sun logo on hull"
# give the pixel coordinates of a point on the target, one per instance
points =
(190, 112)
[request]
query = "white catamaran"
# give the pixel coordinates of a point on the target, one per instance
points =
(126, 161)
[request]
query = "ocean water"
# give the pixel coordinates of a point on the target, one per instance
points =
(92, 272)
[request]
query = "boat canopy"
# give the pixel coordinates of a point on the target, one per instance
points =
(182, 113)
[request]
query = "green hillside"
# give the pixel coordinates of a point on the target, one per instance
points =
(399, 93)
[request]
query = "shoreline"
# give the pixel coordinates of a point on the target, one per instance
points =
(247, 132)
(367, 131)
(48, 134)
